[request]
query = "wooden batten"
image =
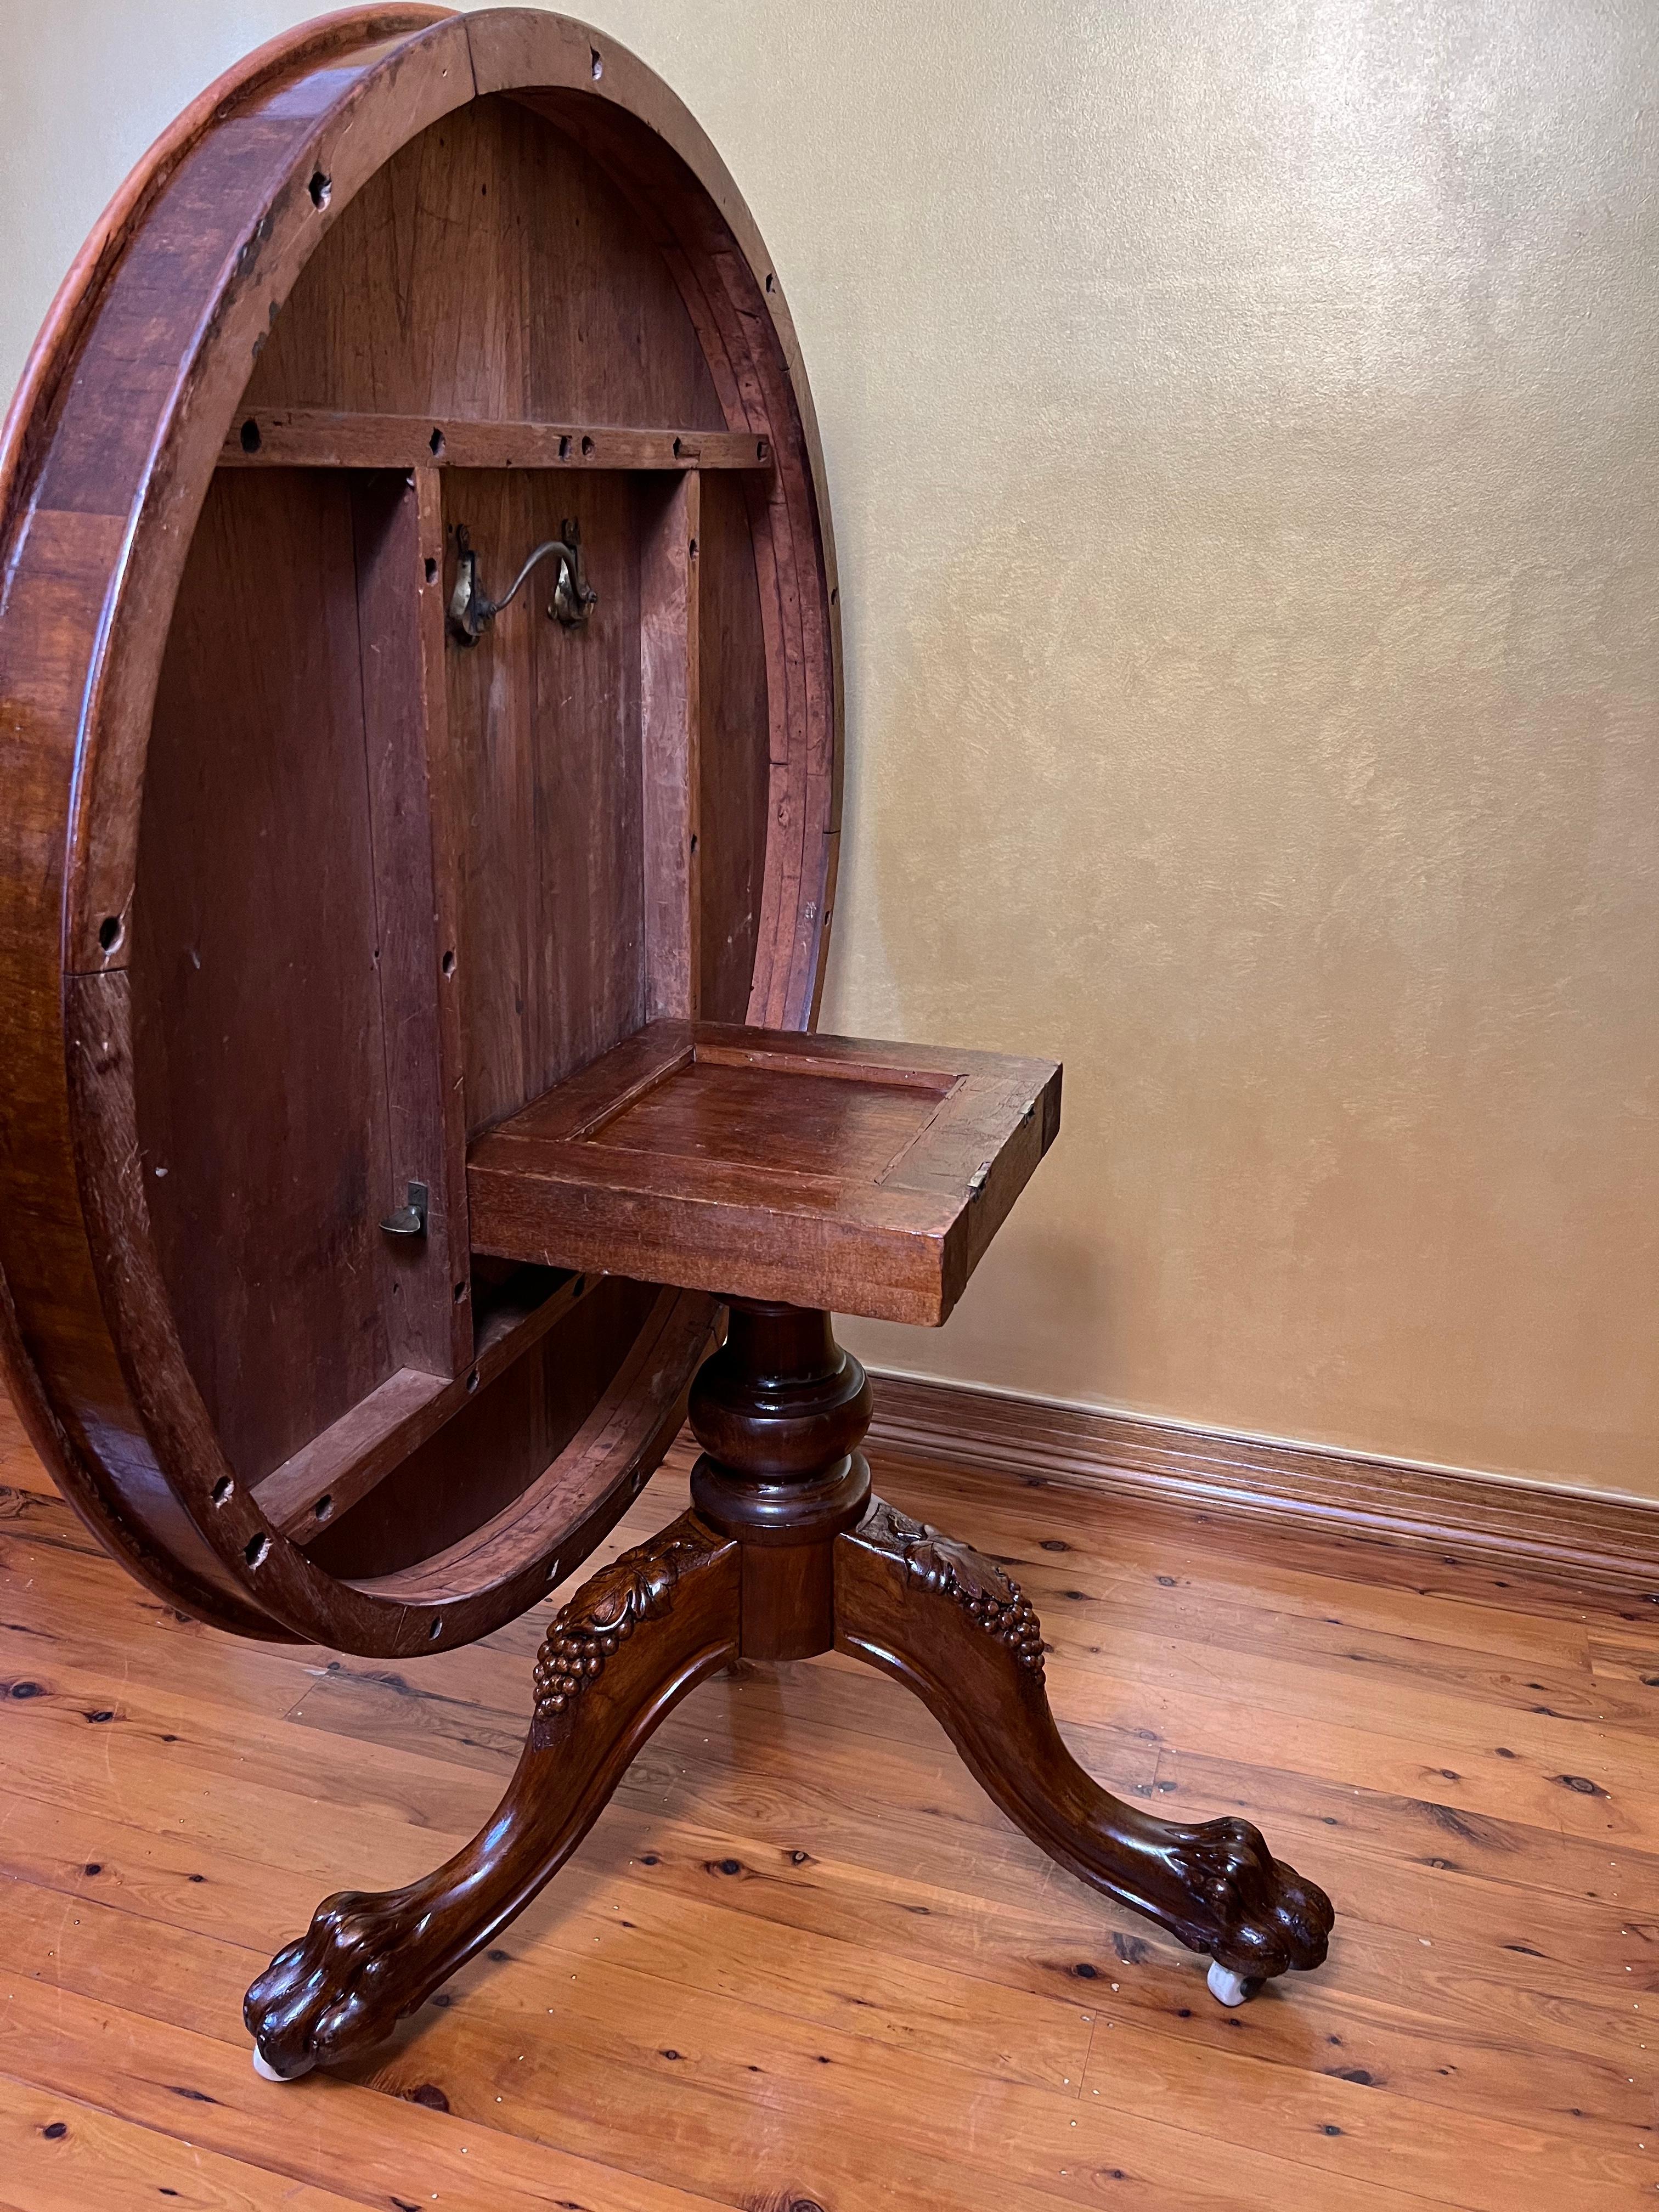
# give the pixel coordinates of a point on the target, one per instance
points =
(317, 438)
(403, 737)
(338, 1468)
(669, 742)
(444, 784)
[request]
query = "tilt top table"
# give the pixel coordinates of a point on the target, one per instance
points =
(420, 739)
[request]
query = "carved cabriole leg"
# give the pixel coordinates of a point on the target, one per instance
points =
(616, 1660)
(954, 1628)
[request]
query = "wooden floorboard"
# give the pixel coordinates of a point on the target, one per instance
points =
(800, 1962)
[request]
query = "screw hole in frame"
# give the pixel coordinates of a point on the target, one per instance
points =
(109, 933)
(449, 963)
(436, 443)
(321, 189)
(431, 569)
(255, 1549)
(250, 436)
(472, 1383)
(223, 1488)
(587, 448)
(596, 61)
(324, 1506)
(436, 1630)
(460, 1294)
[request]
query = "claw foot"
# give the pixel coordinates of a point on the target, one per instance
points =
(341, 1987)
(1255, 1916)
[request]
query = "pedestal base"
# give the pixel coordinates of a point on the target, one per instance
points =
(802, 1560)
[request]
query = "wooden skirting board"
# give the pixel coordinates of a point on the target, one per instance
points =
(1597, 1541)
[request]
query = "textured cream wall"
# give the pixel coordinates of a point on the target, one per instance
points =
(1240, 422)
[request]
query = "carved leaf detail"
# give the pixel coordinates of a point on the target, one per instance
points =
(943, 1563)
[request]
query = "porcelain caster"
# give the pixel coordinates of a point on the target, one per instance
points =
(1228, 1988)
(266, 2071)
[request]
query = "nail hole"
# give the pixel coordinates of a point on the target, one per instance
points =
(250, 436)
(431, 569)
(436, 441)
(255, 1549)
(676, 449)
(109, 932)
(564, 449)
(694, 841)
(324, 1506)
(598, 65)
(691, 550)
(320, 189)
(222, 1489)
(771, 282)
(472, 1382)
(449, 963)
(834, 596)
(460, 1294)
(587, 446)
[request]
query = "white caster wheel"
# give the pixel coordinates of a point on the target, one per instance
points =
(1226, 1987)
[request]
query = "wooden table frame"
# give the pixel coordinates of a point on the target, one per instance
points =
(405, 1011)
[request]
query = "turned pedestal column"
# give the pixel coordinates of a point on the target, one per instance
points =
(780, 1411)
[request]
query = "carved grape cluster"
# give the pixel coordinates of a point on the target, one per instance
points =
(604, 1612)
(572, 1656)
(1016, 1623)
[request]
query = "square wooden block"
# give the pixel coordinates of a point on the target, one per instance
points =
(820, 1171)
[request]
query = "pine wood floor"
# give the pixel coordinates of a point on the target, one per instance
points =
(800, 1962)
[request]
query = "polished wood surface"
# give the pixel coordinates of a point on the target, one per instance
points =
(822, 1171)
(297, 888)
(801, 1939)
